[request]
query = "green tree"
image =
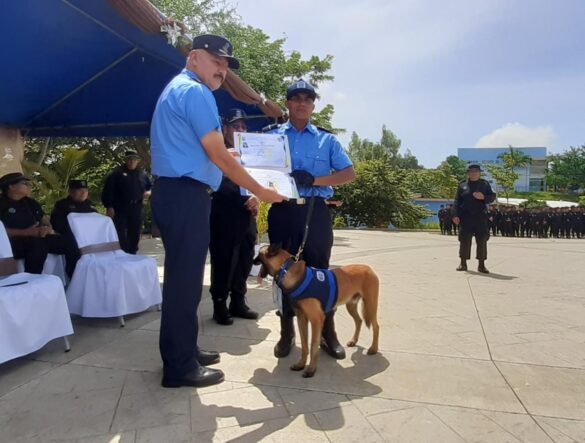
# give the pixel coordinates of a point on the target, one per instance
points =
(378, 196)
(567, 170)
(514, 159)
(454, 166)
(386, 150)
(431, 183)
(504, 177)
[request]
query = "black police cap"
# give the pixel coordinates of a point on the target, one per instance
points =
(11, 179)
(217, 45)
(234, 114)
(131, 154)
(473, 167)
(77, 184)
(300, 86)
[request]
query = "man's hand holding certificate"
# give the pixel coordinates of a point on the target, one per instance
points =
(266, 157)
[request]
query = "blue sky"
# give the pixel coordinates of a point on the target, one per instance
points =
(444, 74)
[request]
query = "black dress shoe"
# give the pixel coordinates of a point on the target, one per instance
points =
(198, 378)
(221, 314)
(242, 310)
(482, 269)
(461, 267)
(207, 358)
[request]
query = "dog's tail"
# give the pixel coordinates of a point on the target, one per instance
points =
(370, 298)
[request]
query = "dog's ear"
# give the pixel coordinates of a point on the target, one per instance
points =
(257, 260)
(273, 249)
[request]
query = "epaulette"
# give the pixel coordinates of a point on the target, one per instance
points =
(270, 127)
(324, 130)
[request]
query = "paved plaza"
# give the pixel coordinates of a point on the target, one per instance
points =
(464, 358)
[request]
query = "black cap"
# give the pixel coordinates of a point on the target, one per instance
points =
(131, 154)
(77, 184)
(473, 167)
(12, 179)
(234, 114)
(217, 45)
(300, 86)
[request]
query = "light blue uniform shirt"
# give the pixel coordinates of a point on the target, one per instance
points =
(186, 111)
(317, 152)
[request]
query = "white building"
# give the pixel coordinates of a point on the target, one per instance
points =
(532, 177)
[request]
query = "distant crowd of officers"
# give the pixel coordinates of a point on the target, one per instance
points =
(513, 221)
(33, 234)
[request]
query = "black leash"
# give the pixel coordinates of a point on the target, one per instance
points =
(306, 234)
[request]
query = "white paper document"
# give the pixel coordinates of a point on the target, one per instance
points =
(266, 157)
(272, 178)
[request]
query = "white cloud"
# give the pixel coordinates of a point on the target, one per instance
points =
(518, 135)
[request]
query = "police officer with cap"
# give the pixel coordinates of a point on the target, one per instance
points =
(233, 236)
(77, 201)
(319, 162)
(471, 214)
(188, 158)
(26, 225)
(123, 195)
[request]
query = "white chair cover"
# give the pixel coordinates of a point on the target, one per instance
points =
(54, 265)
(110, 283)
(33, 310)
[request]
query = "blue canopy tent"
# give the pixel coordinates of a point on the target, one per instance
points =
(90, 68)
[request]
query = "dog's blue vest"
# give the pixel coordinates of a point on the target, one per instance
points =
(316, 283)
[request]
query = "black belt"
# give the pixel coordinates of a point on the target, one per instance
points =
(299, 201)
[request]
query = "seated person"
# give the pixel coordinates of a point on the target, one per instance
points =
(76, 201)
(26, 225)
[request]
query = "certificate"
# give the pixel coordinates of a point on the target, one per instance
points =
(267, 159)
(266, 151)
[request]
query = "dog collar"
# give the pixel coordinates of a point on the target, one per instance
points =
(283, 270)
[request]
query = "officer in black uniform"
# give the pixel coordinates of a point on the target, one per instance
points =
(76, 201)
(233, 236)
(470, 213)
(26, 225)
(318, 162)
(123, 194)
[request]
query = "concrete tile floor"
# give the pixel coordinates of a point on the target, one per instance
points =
(464, 358)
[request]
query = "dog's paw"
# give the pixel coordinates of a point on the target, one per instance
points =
(351, 343)
(297, 367)
(372, 351)
(309, 373)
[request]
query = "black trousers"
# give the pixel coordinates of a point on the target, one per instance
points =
(286, 225)
(473, 228)
(231, 248)
(180, 207)
(34, 250)
(128, 222)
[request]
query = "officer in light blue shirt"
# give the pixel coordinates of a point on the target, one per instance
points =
(188, 158)
(319, 162)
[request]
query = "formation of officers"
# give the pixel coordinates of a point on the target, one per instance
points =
(513, 221)
(33, 234)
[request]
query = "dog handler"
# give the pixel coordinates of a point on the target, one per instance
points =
(188, 157)
(319, 162)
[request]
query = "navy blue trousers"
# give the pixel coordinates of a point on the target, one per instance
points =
(180, 209)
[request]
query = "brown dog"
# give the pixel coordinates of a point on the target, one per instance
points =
(354, 282)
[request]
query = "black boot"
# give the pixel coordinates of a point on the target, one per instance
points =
(329, 342)
(462, 266)
(239, 308)
(287, 337)
(220, 313)
(481, 268)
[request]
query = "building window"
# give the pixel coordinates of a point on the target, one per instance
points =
(537, 184)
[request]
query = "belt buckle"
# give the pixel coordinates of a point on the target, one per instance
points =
(301, 201)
